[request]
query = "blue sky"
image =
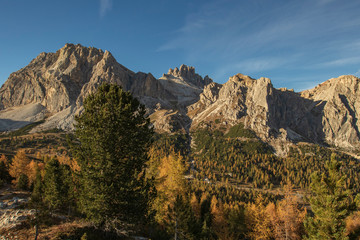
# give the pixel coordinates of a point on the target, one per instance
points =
(297, 44)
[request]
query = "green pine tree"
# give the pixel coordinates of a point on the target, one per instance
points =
(41, 215)
(331, 203)
(23, 182)
(182, 223)
(37, 193)
(4, 173)
(113, 139)
(56, 186)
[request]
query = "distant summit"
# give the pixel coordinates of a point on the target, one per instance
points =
(188, 75)
(53, 86)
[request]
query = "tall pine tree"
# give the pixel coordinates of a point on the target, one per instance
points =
(113, 139)
(56, 186)
(331, 203)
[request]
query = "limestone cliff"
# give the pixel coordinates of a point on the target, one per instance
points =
(327, 114)
(54, 85)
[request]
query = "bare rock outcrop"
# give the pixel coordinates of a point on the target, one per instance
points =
(340, 100)
(327, 114)
(57, 83)
(185, 85)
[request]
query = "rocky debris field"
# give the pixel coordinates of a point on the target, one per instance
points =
(11, 212)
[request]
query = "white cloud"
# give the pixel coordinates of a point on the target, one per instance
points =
(256, 37)
(341, 62)
(105, 6)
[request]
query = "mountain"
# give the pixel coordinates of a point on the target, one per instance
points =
(53, 87)
(327, 114)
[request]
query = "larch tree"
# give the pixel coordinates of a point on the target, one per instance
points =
(19, 166)
(32, 169)
(289, 217)
(195, 205)
(169, 184)
(218, 223)
(259, 220)
(113, 137)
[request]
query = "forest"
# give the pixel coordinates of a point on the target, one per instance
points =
(115, 178)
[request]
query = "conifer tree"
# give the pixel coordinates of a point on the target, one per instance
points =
(235, 216)
(289, 217)
(181, 222)
(219, 224)
(113, 138)
(331, 203)
(4, 170)
(55, 188)
(23, 182)
(41, 215)
(19, 165)
(37, 193)
(32, 168)
(195, 205)
(169, 183)
(259, 222)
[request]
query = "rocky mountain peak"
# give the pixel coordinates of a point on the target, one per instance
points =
(346, 84)
(188, 74)
(55, 84)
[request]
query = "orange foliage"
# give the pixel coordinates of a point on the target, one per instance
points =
(353, 224)
(259, 220)
(19, 165)
(4, 159)
(170, 182)
(195, 205)
(219, 222)
(31, 173)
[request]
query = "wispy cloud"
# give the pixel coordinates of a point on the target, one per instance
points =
(105, 6)
(342, 62)
(253, 36)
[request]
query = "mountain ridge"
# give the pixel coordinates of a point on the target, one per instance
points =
(54, 85)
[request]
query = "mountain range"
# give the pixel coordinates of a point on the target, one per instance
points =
(53, 86)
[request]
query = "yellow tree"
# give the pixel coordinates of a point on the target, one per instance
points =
(259, 220)
(19, 165)
(290, 217)
(31, 171)
(219, 224)
(195, 205)
(170, 182)
(353, 225)
(4, 159)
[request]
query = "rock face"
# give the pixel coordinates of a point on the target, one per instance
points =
(327, 114)
(54, 85)
(184, 84)
(339, 100)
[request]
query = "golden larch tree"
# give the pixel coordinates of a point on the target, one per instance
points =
(19, 165)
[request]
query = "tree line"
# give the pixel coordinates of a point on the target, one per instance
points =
(126, 180)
